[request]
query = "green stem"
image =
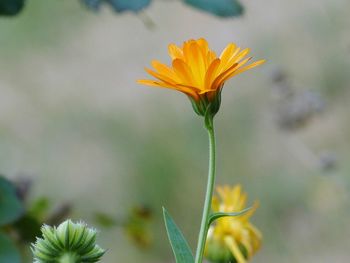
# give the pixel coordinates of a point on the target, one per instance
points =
(208, 196)
(68, 258)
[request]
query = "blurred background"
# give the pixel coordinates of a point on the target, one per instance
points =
(74, 121)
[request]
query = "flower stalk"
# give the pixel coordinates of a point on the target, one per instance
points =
(68, 258)
(200, 74)
(209, 192)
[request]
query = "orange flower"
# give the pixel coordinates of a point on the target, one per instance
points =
(198, 72)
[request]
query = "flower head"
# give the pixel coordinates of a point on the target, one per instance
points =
(232, 239)
(199, 73)
(69, 242)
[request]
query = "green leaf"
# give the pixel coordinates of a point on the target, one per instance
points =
(39, 208)
(28, 228)
(10, 206)
(218, 215)
(222, 8)
(8, 251)
(118, 5)
(129, 5)
(181, 249)
(10, 7)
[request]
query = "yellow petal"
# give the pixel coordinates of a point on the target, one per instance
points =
(218, 81)
(195, 61)
(232, 72)
(148, 82)
(183, 71)
(204, 46)
(221, 191)
(236, 58)
(165, 70)
(211, 55)
(226, 65)
(236, 193)
(234, 248)
(256, 237)
(211, 74)
(250, 66)
(227, 53)
(246, 241)
(256, 232)
(161, 77)
(215, 204)
(183, 89)
(175, 51)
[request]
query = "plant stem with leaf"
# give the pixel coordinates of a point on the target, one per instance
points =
(209, 192)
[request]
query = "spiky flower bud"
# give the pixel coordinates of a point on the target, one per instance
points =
(68, 243)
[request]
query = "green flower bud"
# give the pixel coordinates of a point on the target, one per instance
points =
(218, 252)
(68, 243)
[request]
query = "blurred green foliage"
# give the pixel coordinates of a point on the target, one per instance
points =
(11, 7)
(8, 251)
(10, 210)
(119, 5)
(10, 206)
(221, 8)
(136, 224)
(20, 220)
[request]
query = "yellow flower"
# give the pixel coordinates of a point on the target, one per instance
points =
(199, 73)
(232, 239)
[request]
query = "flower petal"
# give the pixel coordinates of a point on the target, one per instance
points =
(234, 248)
(161, 77)
(195, 60)
(250, 66)
(236, 57)
(211, 73)
(153, 83)
(165, 70)
(175, 51)
(183, 71)
(227, 53)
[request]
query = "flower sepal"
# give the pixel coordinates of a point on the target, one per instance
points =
(205, 106)
(68, 243)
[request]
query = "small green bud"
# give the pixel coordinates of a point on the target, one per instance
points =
(218, 253)
(68, 243)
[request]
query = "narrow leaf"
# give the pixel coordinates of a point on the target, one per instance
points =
(181, 249)
(218, 215)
